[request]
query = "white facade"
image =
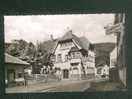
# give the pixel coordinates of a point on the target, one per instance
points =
(90, 64)
(71, 65)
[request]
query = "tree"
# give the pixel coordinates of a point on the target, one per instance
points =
(42, 57)
(30, 50)
(22, 44)
(13, 50)
(17, 47)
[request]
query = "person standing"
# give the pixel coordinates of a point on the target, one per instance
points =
(25, 80)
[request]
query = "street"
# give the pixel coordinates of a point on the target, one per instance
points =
(70, 87)
(60, 86)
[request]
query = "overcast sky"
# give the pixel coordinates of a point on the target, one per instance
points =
(40, 27)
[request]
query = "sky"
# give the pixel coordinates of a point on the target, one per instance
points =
(39, 27)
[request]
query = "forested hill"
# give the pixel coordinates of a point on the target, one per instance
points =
(102, 51)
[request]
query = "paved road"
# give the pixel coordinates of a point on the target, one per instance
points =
(71, 87)
(62, 86)
(78, 86)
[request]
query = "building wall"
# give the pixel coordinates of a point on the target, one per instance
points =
(119, 30)
(122, 63)
(18, 69)
(89, 64)
(121, 43)
(63, 50)
(113, 58)
(74, 71)
(64, 63)
(122, 75)
(92, 58)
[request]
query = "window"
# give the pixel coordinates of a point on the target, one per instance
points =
(78, 54)
(66, 57)
(65, 44)
(75, 68)
(74, 64)
(75, 55)
(59, 58)
(19, 75)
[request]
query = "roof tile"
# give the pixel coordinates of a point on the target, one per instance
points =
(14, 60)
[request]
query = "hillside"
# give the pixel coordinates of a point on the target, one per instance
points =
(102, 51)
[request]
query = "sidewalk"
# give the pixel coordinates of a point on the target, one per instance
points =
(43, 86)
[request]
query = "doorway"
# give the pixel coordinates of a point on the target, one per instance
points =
(11, 75)
(65, 73)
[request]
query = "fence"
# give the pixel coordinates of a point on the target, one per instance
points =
(41, 78)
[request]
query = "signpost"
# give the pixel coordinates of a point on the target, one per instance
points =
(114, 28)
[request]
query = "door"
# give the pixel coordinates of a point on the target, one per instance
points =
(11, 75)
(65, 74)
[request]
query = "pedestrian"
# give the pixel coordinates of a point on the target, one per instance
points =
(25, 81)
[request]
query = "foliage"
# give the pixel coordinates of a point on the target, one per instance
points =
(17, 47)
(37, 55)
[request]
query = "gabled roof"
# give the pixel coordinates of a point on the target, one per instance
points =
(14, 60)
(82, 41)
(68, 35)
(85, 43)
(51, 45)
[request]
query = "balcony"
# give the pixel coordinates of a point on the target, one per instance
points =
(75, 60)
(62, 65)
